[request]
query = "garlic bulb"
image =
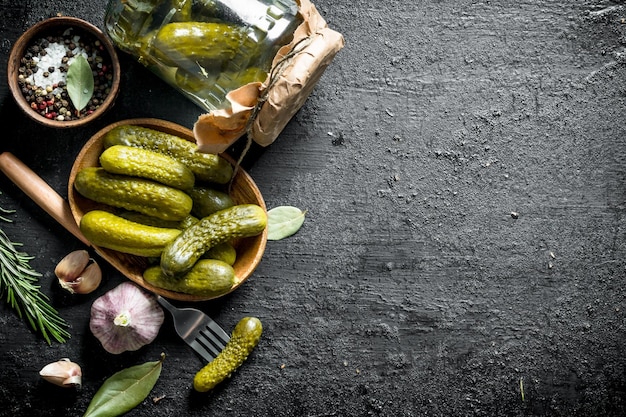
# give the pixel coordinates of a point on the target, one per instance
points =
(76, 274)
(63, 373)
(125, 318)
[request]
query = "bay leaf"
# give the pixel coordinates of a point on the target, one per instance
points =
(124, 390)
(80, 82)
(284, 221)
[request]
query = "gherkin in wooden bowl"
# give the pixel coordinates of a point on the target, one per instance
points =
(241, 189)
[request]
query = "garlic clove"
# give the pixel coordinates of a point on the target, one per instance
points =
(63, 373)
(72, 265)
(89, 280)
(82, 282)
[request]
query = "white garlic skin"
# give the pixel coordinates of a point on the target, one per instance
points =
(143, 318)
(77, 275)
(63, 373)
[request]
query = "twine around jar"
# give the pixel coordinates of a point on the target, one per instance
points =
(275, 73)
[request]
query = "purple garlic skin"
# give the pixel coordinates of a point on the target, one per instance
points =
(126, 318)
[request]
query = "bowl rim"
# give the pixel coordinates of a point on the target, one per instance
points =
(94, 144)
(21, 44)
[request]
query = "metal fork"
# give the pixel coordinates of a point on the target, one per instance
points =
(198, 330)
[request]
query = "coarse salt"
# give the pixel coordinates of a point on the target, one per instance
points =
(53, 58)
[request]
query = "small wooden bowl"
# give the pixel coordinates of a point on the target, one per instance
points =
(41, 30)
(243, 190)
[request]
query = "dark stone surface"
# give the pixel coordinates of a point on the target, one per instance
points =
(411, 290)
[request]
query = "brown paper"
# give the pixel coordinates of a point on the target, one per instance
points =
(264, 109)
(216, 131)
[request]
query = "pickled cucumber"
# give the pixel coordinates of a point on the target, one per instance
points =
(153, 221)
(224, 252)
(207, 201)
(181, 44)
(206, 167)
(201, 82)
(208, 277)
(242, 220)
(244, 339)
(144, 163)
(136, 194)
(107, 230)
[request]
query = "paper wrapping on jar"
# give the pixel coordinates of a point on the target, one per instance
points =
(263, 109)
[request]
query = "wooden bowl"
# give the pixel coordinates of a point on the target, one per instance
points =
(41, 30)
(243, 190)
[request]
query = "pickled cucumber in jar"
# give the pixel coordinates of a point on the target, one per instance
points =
(203, 48)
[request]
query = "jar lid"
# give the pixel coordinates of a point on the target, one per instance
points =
(263, 109)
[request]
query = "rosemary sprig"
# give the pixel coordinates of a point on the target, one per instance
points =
(18, 280)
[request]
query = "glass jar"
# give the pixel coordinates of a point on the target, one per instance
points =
(203, 48)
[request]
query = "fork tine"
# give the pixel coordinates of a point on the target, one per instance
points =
(218, 332)
(198, 330)
(212, 344)
(201, 350)
(209, 343)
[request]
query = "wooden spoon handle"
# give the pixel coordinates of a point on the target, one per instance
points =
(40, 192)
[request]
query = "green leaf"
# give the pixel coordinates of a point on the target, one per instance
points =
(124, 390)
(80, 82)
(283, 222)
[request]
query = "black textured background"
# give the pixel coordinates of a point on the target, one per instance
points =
(410, 290)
